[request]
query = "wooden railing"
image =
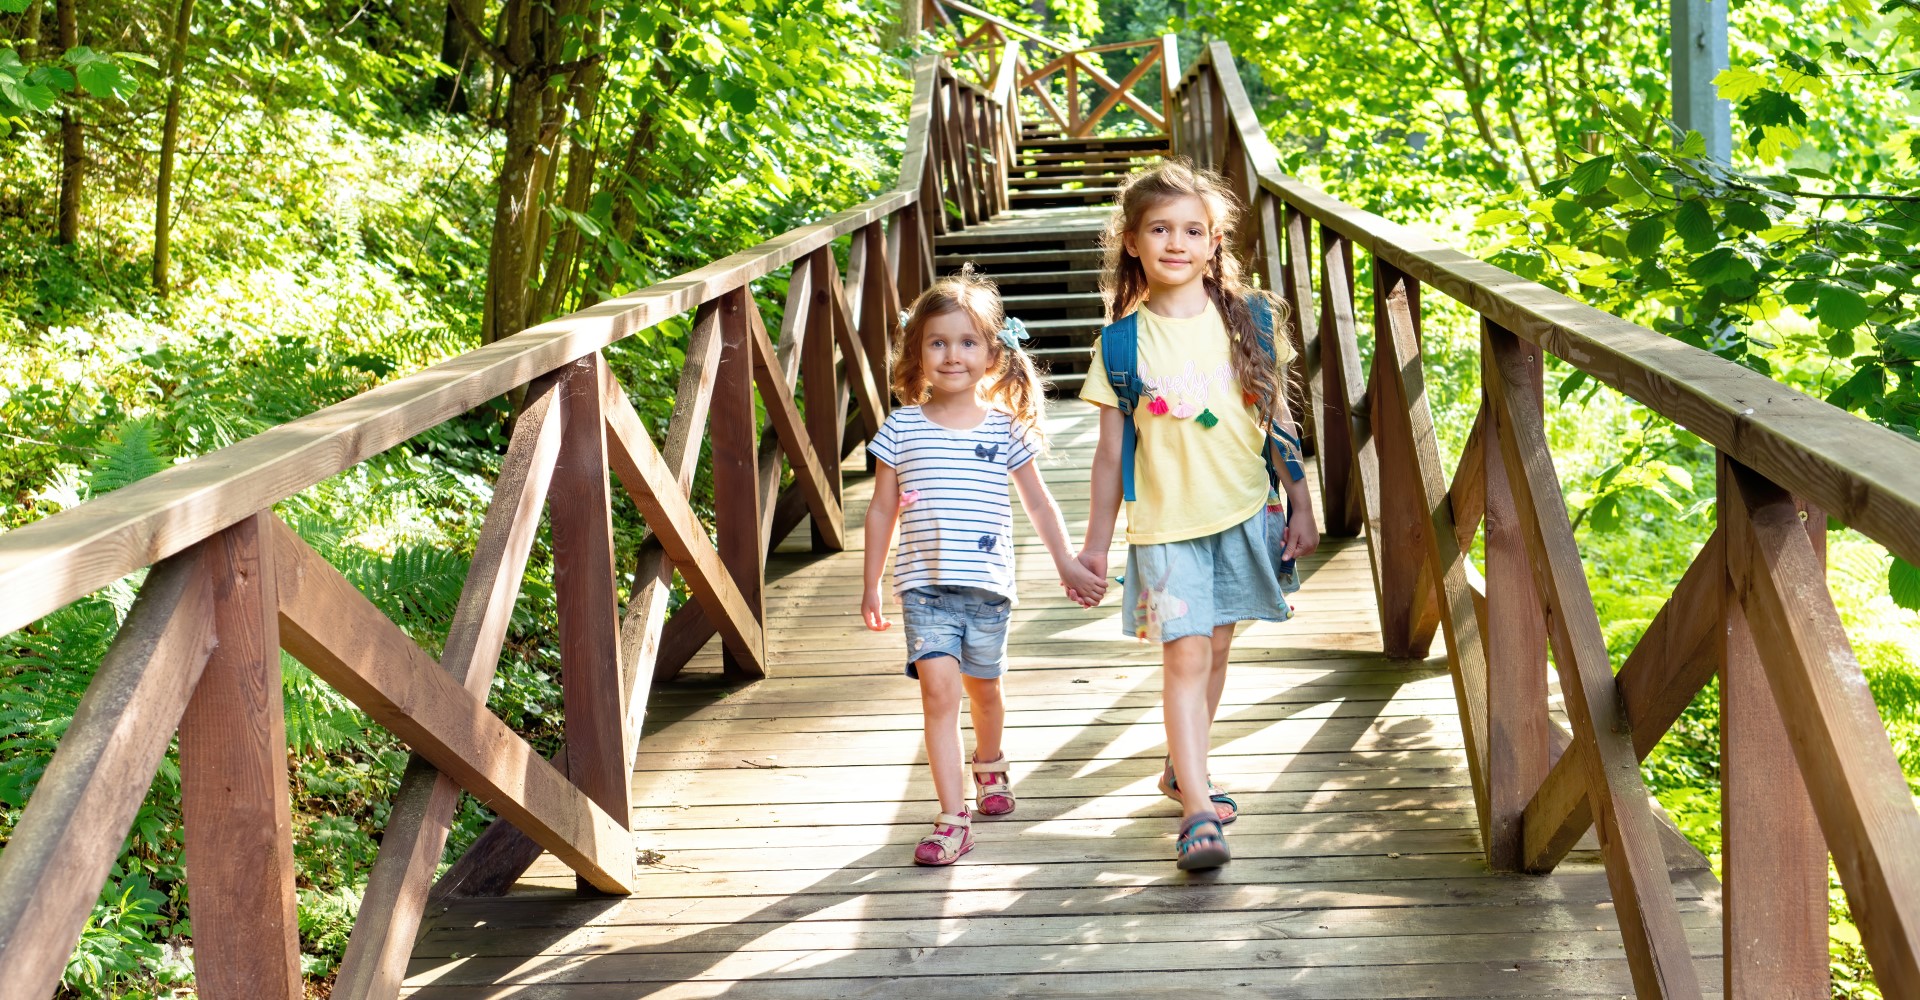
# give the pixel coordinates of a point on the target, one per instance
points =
(1086, 94)
(230, 585)
(1807, 766)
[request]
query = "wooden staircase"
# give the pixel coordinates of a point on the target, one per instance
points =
(1044, 252)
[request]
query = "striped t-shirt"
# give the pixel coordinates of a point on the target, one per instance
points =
(956, 525)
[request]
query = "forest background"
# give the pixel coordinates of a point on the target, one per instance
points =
(216, 216)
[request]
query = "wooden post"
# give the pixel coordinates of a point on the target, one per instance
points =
(1517, 723)
(233, 785)
(820, 375)
(1339, 487)
(1295, 276)
(580, 502)
(1774, 923)
(1408, 617)
(733, 438)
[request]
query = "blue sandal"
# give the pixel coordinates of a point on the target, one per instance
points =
(1223, 804)
(1201, 849)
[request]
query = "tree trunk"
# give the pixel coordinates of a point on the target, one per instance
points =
(73, 150)
(169, 145)
(911, 22)
(450, 90)
(510, 257)
(30, 33)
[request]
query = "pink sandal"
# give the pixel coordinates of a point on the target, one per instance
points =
(993, 785)
(952, 836)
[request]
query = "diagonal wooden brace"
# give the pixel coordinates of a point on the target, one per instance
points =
(346, 641)
(656, 491)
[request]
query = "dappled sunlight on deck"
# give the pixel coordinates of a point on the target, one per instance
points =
(776, 822)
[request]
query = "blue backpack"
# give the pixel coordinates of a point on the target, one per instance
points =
(1120, 354)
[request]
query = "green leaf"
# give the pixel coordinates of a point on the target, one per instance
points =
(1572, 384)
(1592, 175)
(1748, 216)
(1738, 83)
(1903, 582)
(1720, 265)
(1840, 307)
(1694, 145)
(1694, 225)
(1645, 236)
(1497, 217)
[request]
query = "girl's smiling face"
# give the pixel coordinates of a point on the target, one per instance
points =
(953, 353)
(1174, 241)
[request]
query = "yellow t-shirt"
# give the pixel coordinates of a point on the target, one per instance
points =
(1189, 480)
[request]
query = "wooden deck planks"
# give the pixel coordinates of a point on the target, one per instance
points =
(777, 819)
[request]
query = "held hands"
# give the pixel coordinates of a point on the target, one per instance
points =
(871, 612)
(1084, 586)
(1085, 578)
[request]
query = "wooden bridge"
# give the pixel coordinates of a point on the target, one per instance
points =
(1430, 809)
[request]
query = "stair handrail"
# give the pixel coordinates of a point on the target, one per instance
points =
(1807, 762)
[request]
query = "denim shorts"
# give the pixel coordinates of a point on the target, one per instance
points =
(966, 623)
(1177, 589)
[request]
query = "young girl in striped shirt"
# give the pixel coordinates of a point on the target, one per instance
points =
(971, 420)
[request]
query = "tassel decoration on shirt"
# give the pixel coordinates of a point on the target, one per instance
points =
(1206, 418)
(1158, 407)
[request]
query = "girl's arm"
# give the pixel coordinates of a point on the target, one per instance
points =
(1085, 587)
(1105, 490)
(1303, 533)
(882, 515)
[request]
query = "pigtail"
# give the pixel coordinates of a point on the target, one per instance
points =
(1019, 387)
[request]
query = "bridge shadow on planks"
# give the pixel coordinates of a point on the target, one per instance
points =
(779, 820)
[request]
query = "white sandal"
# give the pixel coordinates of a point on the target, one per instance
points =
(993, 785)
(952, 836)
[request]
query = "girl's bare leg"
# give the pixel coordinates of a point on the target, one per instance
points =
(940, 704)
(989, 711)
(1186, 676)
(1217, 681)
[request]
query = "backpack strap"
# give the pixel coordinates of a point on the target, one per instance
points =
(1120, 356)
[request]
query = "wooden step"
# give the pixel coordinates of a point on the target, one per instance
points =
(1073, 196)
(1054, 300)
(1066, 385)
(1090, 256)
(1109, 172)
(1078, 238)
(1076, 281)
(1116, 156)
(1064, 180)
(1097, 143)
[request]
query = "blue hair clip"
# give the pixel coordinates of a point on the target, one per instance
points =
(1013, 333)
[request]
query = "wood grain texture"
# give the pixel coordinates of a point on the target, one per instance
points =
(1517, 719)
(344, 639)
(234, 802)
(580, 513)
(650, 481)
(1399, 358)
(736, 487)
(1859, 793)
(1296, 289)
(1347, 381)
(1774, 859)
(71, 830)
(859, 376)
(1408, 606)
(771, 374)
(1629, 836)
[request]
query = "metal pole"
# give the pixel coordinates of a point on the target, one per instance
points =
(1699, 54)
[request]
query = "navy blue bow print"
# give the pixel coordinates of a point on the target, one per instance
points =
(982, 451)
(987, 542)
